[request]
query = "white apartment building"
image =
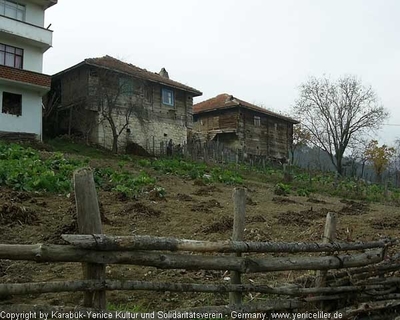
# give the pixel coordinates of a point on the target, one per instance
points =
(23, 40)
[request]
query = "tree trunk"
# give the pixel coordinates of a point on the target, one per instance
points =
(339, 165)
(115, 143)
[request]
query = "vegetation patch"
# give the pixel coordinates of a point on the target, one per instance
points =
(193, 170)
(124, 183)
(282, 189)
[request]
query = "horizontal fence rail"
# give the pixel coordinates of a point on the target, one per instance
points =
(66, 253)
(127, 243)
(93, 285)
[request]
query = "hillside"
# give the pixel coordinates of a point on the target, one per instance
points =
(169, 197)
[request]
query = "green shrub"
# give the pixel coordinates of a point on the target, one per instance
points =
(282, 189)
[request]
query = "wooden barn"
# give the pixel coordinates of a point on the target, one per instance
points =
(243, 126)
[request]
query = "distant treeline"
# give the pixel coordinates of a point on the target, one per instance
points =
(317, 159)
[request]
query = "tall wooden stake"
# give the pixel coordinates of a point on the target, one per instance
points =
(89, 222)
(239, 207)
(329, 236)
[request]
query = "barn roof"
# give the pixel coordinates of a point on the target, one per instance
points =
(110, 63)
(227, 101)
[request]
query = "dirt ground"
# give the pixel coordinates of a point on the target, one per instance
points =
(189, 211)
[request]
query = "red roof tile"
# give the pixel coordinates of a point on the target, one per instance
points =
(226, 101)
(120, 66)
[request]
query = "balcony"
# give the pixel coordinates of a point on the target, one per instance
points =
(29, 33)
(25, 79)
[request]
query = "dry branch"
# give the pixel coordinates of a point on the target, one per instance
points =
(126, 243)
(60, 253)
(344, 277)
(370, 307)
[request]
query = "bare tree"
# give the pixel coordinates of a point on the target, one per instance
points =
(301, 138)
(337, 112)
(116, 103)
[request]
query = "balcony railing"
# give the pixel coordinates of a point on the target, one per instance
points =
(30, 33)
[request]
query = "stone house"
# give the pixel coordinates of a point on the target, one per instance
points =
(243, 126)
(148, 109)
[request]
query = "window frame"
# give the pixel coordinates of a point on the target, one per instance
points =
(257, 121)
(126, 86)
(16, 7)
(5, 50)
(167, 90)
(11, 110)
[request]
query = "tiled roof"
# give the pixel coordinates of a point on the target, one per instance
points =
(111, 63)
(226, 101)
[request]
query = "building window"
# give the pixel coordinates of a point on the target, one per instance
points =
(12, 10)
(12, 104)
(126, 86)
(168, 97)
(11, 56)
(257, 121)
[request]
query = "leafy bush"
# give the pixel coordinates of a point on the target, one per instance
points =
(23, 169)
(303, 192)
(193, 170)
(282, 189)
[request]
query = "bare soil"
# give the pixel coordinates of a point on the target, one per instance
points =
(190, 210)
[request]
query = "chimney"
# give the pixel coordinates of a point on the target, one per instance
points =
(163, 73)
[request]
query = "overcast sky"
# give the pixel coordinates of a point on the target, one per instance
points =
(257, 50)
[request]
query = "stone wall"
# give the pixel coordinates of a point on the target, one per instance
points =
(148, 133)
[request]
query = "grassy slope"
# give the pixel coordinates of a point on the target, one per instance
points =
(187, 210)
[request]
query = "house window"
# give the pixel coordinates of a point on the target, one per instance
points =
(168, 97)
(257, 121)
(126, 86)
(11, 56)
(12, 104)
(12, 10)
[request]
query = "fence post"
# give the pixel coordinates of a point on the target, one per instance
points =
(239, 210)
(89, 222)
(329, 236)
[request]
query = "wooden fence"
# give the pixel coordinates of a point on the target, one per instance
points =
(363, 279)
(215, 152)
